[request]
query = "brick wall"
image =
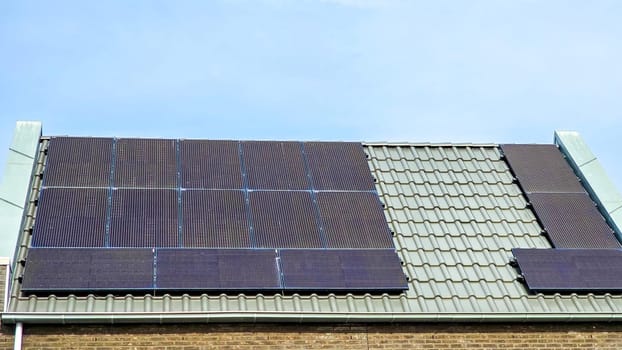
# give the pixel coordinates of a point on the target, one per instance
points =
(289, 336)
(6, 336)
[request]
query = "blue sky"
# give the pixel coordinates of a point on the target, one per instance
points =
(418, 71)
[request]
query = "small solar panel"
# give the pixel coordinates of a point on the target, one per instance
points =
(353, 220)
(338, 166)
(215, 219)
(70, 217)
(284, 219)
(272, 165)
(216, 269)
(144, 218)
(145, 163)
(78, 162)
(541, 168)
(73, 270)
(210, 164)
(571, 270)
(342, 269)
(572, 221)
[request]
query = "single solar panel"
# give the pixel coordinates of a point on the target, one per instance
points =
(541, 168)
(571, 270)
(78, 162)
(144, 218)
(571, 220)
(73, 270)
(217, 269)
(338, 166)
(210, 164)
(272, 165)
(215, 219)
(145, 163)
(376, 270)
(284, 219)
(353, 220)
(70, 217)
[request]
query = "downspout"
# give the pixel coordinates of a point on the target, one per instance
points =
(19, 330)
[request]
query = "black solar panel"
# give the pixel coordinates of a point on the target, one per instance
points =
(215, 219)
(145, 163)
(342, 269)
(572, 221)
(73, 270)
(541, 168)
(70, 217)
(217, 269)
(144, 218)
(78, 162)
(210, 164)
(338, 166)
(571, 270)
(353, 220)
(284, 219)
(272, 165)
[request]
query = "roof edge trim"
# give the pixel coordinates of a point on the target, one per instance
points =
(259, 317)
(593, 175)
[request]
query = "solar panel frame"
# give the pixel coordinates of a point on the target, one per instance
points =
(71, 217)
(215, 219)
(571, 270)
(353, 220)
(151, 212)
(78, 162)
(338, 166)
(572, 220)
(145, 163)
(274, 165)
(210, 164)
(284, 219)
(377, 270)
(541, 168)
(217, 269)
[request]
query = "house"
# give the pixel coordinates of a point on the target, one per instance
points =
(464, 221)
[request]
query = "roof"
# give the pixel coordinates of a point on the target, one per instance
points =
(456, 213)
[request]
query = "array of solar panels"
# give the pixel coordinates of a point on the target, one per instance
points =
(209, 215)
(571, 221)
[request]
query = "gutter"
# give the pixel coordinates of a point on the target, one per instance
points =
(309, 317)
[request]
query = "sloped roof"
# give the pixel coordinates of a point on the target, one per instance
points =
(456, 213)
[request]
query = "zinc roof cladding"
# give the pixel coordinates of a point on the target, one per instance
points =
(456, 213)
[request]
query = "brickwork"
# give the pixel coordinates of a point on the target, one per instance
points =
(3, 270)
(290, 336)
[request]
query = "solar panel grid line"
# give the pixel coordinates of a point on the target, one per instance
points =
(316, 209)
(146, 163)
(70, 217)
(208, 164)
(78, 162)
(180, 217)
(109, 199)
(274, 165)
(144, 218)
(572, 220)
(249, 213)
(338, 166)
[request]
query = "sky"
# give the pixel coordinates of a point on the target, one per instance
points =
(415, 71)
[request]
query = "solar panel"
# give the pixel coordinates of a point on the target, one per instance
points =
(541, 168)
(353, 220)
(572, 221)
(145, 163)
(144, 218)
(275, 165)
(80, 269)
(342, 269)
(571, 270)
(284, 219)
(78, 162)
(210, 164)
(338, 166)
(215, 219)
(70, 217)
(216, 269)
